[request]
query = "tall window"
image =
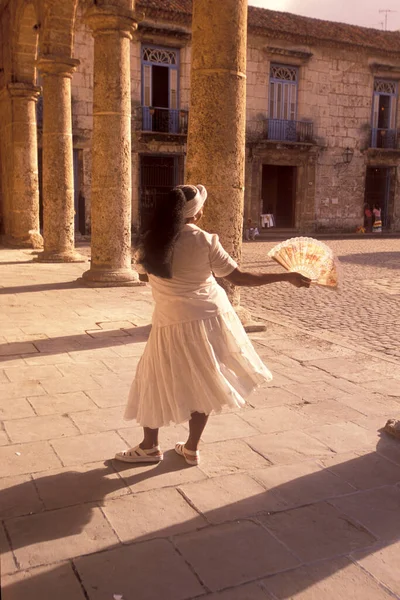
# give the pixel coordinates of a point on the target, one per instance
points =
(283, 92)
(160, 81)
(384, 113)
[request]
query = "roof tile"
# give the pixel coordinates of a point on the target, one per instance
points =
(280, 24)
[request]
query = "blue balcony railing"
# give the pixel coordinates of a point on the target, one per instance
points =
(164, 120)
(385, 138)
(280, 130)
(289, 131)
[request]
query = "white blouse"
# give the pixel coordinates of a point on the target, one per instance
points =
(193, 293)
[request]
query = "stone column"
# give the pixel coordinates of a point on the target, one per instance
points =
(23, 215)
(217, 117)
(58, 173)
(112, 28)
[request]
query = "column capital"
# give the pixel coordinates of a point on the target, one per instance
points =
(57, 65)
(24, 90)
(111, 19)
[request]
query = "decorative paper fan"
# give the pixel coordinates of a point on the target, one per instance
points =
(310, 257)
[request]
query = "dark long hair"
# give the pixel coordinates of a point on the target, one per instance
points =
(156, 245)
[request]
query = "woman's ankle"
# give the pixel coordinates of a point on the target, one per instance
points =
(192, 446)
(148, 445)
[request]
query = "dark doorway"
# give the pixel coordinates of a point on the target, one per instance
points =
(278, 194)
(160, 87)
(158, 175)
(79, 200)
(384, 108)
(160, 98)
(377, 190)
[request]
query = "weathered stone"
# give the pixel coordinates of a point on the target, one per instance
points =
(43, 582)
(158, 513)
(317, 531)
(60, 534)
(218, 86)
(377, 510)
(327, 580)
(153, 569)
(112, 28)
(24, 211)
(58, 176)
(234, 553)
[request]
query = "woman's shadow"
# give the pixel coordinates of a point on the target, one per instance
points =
(82, 491)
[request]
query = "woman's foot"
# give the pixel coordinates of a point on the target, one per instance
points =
(141, 455)
(192, 457)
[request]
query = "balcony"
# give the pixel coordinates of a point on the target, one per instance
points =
(387, 139)
(290, 131)
(279, 130)
(164, 120)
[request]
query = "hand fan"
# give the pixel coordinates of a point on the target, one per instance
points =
(310, 257)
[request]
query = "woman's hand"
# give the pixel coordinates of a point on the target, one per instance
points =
(298, 280)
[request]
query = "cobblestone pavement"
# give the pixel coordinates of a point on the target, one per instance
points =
(366, 308)
(297, 495)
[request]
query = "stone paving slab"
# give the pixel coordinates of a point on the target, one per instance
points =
(8, 564)
(44, 583)
(301, 474)
(318, 531)
(316, 483)
(149, 570)
(59, 488)
(383, 564)
(144, 516)
(231, 497)
(251, 591)
(19, 496)
(327, 581)
(234, 553)
(377, 510)
(54, 536)
(363, 471)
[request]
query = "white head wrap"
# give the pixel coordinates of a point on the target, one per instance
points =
(194, 206)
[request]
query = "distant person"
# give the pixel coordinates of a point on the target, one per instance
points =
(198, 358)
(368, 218)
(251, 231)
(377, 212)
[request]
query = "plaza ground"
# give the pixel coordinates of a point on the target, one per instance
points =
(297, 496)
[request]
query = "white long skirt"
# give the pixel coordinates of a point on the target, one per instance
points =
(198, 366)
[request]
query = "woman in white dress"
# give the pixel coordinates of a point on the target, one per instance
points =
(198, 358)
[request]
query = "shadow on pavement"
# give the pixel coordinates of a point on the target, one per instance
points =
(71, 343)
(388, 260)
(312, 526)
(40, 287)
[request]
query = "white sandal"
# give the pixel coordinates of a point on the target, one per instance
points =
(192, 457)
(139, 455)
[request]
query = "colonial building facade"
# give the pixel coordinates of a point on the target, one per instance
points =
(322, 118)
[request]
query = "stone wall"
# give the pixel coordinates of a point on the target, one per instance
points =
(335, 92)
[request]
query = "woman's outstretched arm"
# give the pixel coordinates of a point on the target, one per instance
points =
(246, 279)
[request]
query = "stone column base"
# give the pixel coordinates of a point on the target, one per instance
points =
(34, 241)
(110, 278)
(61, 257)
(247, 321)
